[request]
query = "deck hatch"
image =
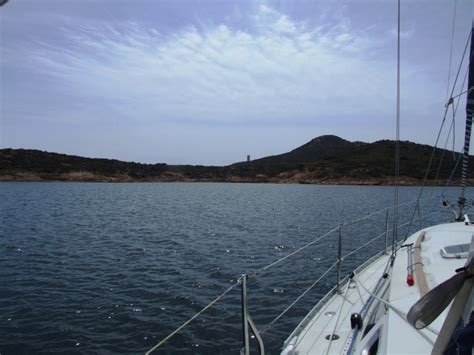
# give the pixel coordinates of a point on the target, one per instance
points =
(455, 251)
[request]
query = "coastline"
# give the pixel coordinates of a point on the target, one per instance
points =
(174, 177)
(326, 160)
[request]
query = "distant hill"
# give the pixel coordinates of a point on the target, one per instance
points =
(323, 160)
(332, 159)
(323, 147)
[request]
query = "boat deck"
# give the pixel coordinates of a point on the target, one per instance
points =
(336, 313)
(436, 269)
(333, 313)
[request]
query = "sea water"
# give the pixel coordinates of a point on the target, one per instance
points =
(113, 268)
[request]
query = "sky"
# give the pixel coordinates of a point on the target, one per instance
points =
(208, 82)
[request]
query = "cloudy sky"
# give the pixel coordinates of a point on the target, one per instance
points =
(208, 82)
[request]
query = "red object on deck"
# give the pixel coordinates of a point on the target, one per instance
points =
(410, 280)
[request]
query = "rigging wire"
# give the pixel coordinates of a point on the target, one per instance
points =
(462, 93)
(453, 124)
(397, 142)
(375, 213)
(173, 333)
(364, 245)
(396, 310)
(451, 50)
(451, 129)
(269, 325)
(420, 191)
(276, 262)
(419, 217)
(447, 183)
(448, 83)
(467, 136)
(443, 151)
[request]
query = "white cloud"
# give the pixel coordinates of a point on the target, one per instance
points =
(282, 70)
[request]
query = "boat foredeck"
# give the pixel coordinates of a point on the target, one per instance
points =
(313, 338)
(402, 296)
(397, 336)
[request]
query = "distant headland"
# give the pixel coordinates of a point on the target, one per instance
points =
(324, 160)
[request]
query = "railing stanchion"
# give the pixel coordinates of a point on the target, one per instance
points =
(245, 323)
(339, 260)
(386, 231)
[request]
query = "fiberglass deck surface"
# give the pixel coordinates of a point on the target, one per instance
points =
(397, 336)
(312, 339)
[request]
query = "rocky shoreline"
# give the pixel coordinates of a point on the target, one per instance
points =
(84, 176)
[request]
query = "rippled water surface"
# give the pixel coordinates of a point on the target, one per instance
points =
(113, 268)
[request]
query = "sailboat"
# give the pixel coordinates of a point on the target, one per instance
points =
(415, 298)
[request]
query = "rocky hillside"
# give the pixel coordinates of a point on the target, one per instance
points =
(326, 159)
(320, 148)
